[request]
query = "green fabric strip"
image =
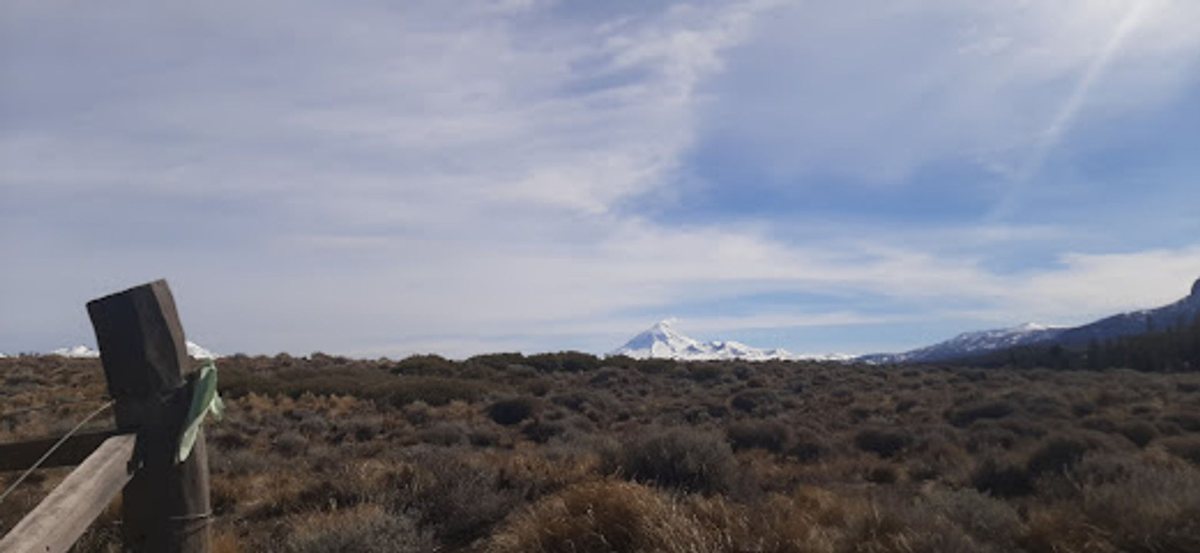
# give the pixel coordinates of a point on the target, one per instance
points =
(205, 400)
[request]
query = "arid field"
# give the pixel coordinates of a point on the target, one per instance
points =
(570, 453)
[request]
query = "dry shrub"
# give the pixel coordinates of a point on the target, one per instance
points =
(290, 443)
(540, 432)
(1187, 420)
(938, 457)
(884, 443)
(1001, 478)
(1057, 455)
(986, 435)
(772, 436)
(236, 462)
(417, 412)
(618, 517)
(804, 522)
(679, 458)
(366, 529)
(881, 474)
(807, 446)
(1064, 530)
(1138, 432)
(483, 437)
(444, 434)
(459, 497)
(225, 541)
(756, 400)
(890, 524)
(990, 410)
(431, 390)
(424, 365)
(359, 381)
(512, 411)
(1150, 509)
(603, 517)
(705, 372)
(809, 519)
(533, 476)
(1184, 447)
(983, 518)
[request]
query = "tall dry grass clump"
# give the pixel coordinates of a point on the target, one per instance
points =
(367, 529)
(604, 517)
(1131, 504)
(683, 459)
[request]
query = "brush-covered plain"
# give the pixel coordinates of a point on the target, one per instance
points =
(571, 453)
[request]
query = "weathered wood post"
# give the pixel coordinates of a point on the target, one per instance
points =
(65, 514)
(165, 506)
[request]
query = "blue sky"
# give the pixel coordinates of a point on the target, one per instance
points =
(384, 178)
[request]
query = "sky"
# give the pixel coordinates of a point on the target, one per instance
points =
(387, 178)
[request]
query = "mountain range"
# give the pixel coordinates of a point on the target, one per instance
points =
(972, 344)
(663, 341)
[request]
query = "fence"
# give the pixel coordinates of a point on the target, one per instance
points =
(165, 503)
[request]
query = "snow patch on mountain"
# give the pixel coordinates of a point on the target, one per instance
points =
(663, 341)
(972, 343)
(79, 351)
(194, 350)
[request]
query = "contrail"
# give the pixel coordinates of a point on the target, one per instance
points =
(1050, 137)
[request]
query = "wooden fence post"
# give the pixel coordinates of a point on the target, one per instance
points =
(166, 505)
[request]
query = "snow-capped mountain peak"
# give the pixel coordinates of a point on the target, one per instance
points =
(663, 341)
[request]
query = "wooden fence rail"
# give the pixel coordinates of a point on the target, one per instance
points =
(165, 505)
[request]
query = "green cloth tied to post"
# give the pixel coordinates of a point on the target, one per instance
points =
(205, 400)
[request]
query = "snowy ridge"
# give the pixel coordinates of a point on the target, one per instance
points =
(79, 351)
(971, 343)
(662, 341)
(194, 350)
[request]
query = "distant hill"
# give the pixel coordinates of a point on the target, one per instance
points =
(1176, 348)
(976, 345)
(971, 343)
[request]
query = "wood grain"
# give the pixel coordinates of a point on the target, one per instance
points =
(63, 516)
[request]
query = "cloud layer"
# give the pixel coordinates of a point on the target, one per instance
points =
(464, 177)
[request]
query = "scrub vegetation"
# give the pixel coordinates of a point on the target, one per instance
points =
(571, 453)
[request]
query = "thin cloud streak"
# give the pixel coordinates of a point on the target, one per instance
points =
(1063, 119)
